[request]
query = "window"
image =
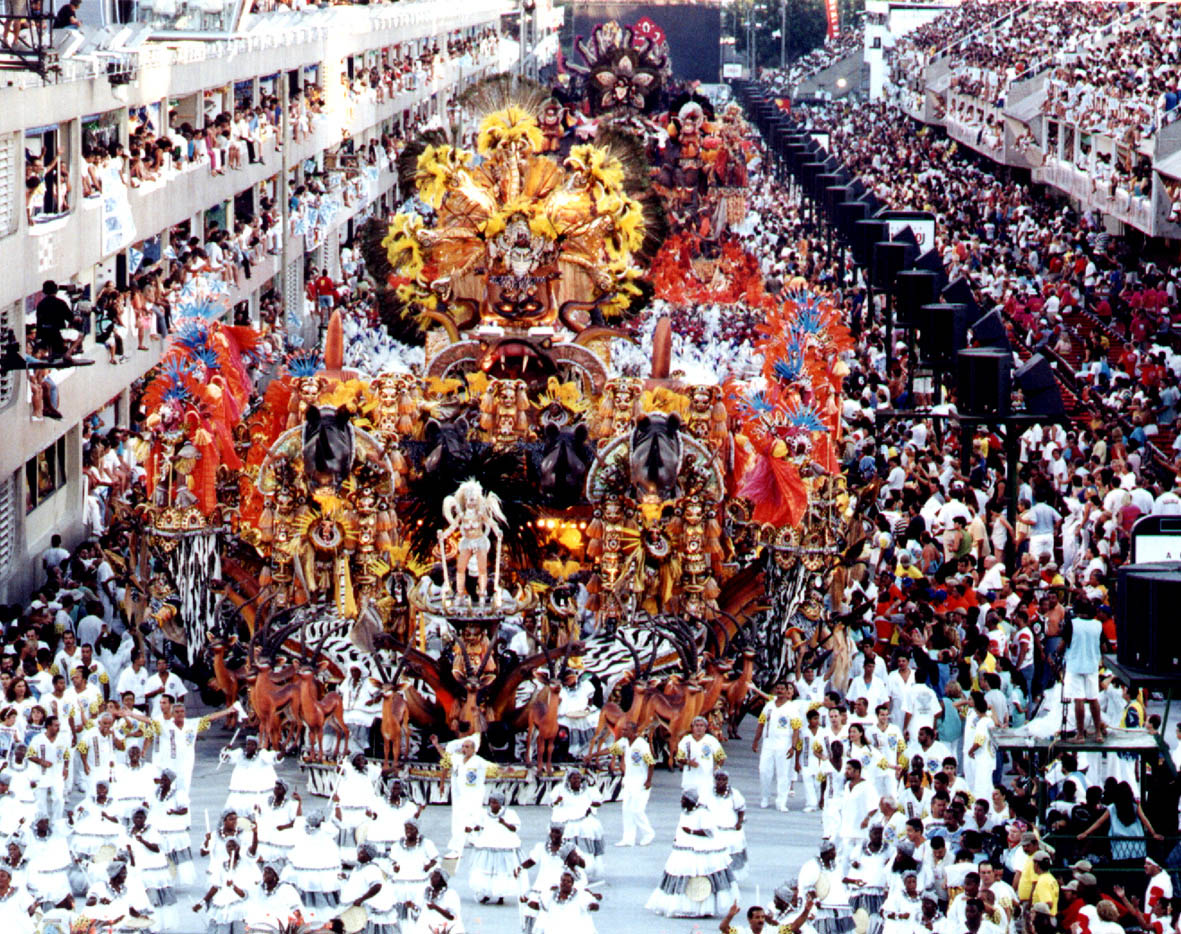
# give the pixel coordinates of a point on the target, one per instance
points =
(10, 196)
(7, 526)
(46, 186)
(45, 474)
(9, 379)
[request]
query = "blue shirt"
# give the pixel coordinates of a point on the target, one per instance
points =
(1082, 655)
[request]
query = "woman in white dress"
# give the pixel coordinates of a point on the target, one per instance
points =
(575, 802)
(315, 866)
(697, 881)
(413, 858)
(577, 713)
(565, 908)
(392, 815)
(549, 857)
(728, 808)
(171, 817)
(120, 897)
(276, 820)
(217, 841)
(438, 907)
(368, 887)
(274, 904)
(903, 906)
(832, 772)
(253, 776)
(496, 852)
(356, 800)
(699, 754)
(96, 824)
(980, 750)
(152, 870)
(233, 883)
(50, 861)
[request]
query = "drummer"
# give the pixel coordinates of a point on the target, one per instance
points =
(367, 892)
(274, 903)
(866, 877)
(822, 876)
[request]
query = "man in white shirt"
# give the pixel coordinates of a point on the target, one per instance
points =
(857, 802)
(932, 750)
(50, 752)
(898, 683)
(68, 656)
(777, 732)
(922, 707)
(81, 701)
(135, 680)
(634, 755)
(869, 687)
(161, 683)
(54, 555)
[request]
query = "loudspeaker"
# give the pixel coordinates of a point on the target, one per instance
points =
(865, 234)
(823, 180)
(832, 196)
(848, 214)
(1146, 603)
(1039, 388)
(943, 332)
(889, 259)
(989, 331)
(913, 288)
(984, 381)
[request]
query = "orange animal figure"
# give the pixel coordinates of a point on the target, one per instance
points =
(225, 679)
(270, 695)
(737, 690)
(612, 717)
(543, 719)
(676, 718)
(315, 712)
(395, 724)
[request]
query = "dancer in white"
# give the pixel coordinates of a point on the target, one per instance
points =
(438, 907)
(777, 734)
(469, 772)
(253, 776)
(699, 754)
(574, 805)
(356, 800)
(697, 854)
(152, 869)
(315, 867)
(276, 820)
(234, 880)
(633, 754)
(392, 815)
(496, 852)
(728, 808)
(810, 759)
(565, 909)
(412, 858)
(274, 904)
(577, 713)
(172, 820)
(366, 886)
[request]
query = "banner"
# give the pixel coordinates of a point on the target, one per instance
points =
(833, 13)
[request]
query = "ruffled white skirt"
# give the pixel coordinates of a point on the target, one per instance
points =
(671, 898)
(492, 873)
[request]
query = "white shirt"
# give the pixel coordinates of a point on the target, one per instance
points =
(637, 756)
(134, 681)
(173, 687)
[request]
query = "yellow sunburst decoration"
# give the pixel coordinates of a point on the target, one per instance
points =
(604, 170)
(438, 169)
(510, 125)
(402, 246)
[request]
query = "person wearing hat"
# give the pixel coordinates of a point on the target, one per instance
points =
(697, 881)
(438, 906)
(903, 905)
(1037, 884)
(15, 904)
(366, 886)
(315, 865)
(821, 876)
(253, 775)
(1160, 884)
(496, 852)
(413, 857)
(565, 908)
(232, 883)
(274, 903)
(1153, 921)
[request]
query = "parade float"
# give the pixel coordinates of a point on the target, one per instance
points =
(547, 469)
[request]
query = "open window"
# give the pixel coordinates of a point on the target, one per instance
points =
(47, 176)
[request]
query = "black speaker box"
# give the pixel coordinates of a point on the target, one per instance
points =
(889, 259)
(1039, 387)
(989, 331)
(984, 381)
(848, 214)
(913, 288)
(943, 332)
(1147, 598)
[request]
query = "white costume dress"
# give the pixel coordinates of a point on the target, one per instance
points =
(725, 811)
(694, 857)
(574, 812)
(412, 867)
(496, 852)
(315, 867)
(707, 752)
(577, 713)
(251, 781)
(570, 915)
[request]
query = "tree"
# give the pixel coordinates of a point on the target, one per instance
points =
(806, 26)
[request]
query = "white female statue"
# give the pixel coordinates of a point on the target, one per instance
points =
(479, 519)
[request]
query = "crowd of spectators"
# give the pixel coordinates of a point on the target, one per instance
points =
(917, 48)
(784, 81)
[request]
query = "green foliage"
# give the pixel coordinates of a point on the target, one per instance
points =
(806, 26)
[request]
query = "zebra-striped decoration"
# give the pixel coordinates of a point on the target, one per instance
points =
(192, 564)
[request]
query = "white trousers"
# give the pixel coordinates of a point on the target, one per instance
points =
(635, 816)
(811, 780)
(50, 796)
(775, 771)
(465, 810)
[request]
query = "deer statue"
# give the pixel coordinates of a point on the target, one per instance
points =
(315, 712)
(271, 695)
(737, 690)
(542, 715)
(395, 716)
(225, 679)
(613, 716)
(676, 718)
